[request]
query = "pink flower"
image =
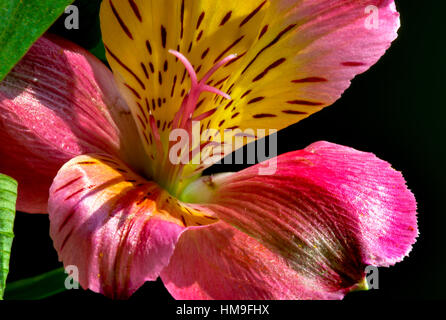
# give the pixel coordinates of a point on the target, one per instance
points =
(123, 213)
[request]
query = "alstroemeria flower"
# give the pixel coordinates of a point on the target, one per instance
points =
(124, 214)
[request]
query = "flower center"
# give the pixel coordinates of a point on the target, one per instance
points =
(170, 172)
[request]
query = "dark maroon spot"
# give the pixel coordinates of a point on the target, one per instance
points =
(159, 102)
(232, 128)
(199, 35)
(75, 193)
(221, 81)
(310, 79)
(230, 88)
(160, 78)
(190, 47)
(225, 18)
(199, 68)
(135, 93)
(166, 66)
(135, 10)
(145, 70)
(184, 221)
(294, 112)
(200, 103)
(142, 111)
(152, 68)
(182, 20)
(264, 115)
(228, 48)
(142, 122)
(173, 86)
(305, 103)
(273, 42)
(205, 53)
(256, 100)
(147, 105)
(68, 184)
(125, 67)
(235, 60)
(149, 47)
(184, 76)
(262, 33)
(229, 104)
(86, 162)
(245, 94)
(252, 14)
(163, 36)
(121, 22)
(235, 115)
(153, 104)
(145, 138)
(269, 68)
(352, 64)
(200, 20)
(67, 218)
(221, 123)
(64, 242)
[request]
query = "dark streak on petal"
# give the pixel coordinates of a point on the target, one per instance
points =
(125, 67)
(226, 18)
(252, 14)
(269, 68)
(309, 79)
(305, 103)
(121, 22)
(264, 115)
(273, 42)
(135, 10)
(256, 100)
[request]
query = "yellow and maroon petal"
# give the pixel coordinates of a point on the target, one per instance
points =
(293, 59)
(116, 227)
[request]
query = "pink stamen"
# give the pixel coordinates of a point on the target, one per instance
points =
(187, 65)
(190, 101)
(183, 117)
(218, 66)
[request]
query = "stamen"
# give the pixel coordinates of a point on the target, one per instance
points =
(218, 66)
(187, 65)
(183, 117)
(190, 101)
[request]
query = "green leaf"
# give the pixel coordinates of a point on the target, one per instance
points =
(39, 287)
(8, 196)
(22, 23)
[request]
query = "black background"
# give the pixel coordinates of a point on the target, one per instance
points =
(395, 110)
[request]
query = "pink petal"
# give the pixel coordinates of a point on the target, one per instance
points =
(220, 262)
(328, 211)
(111, 224)
(54, 106)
